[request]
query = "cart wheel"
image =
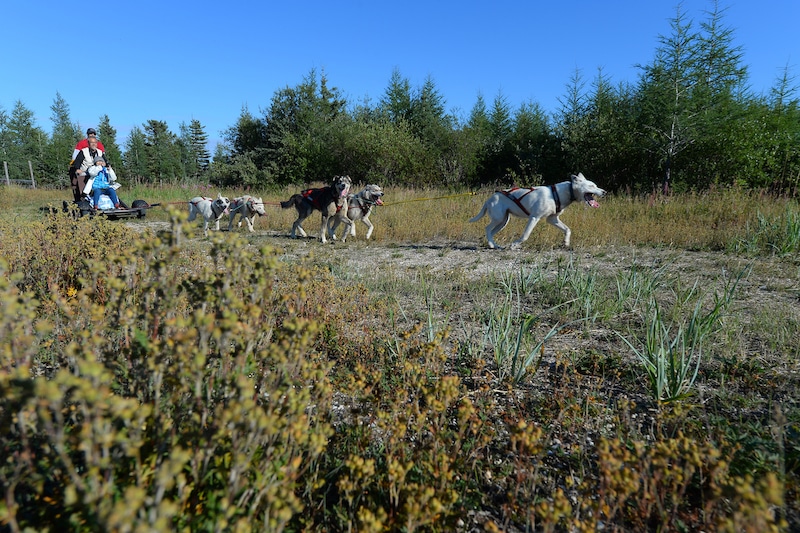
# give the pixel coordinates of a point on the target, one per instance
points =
(142, 205)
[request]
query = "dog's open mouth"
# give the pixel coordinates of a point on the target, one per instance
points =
(378, 202)
(590, 201)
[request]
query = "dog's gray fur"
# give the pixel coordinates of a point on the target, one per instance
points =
(359, 207)
(326, 200)
(210, 210)
(248, 207)
(539, 202)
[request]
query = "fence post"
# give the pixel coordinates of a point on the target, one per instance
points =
(5, 167)
(33, 181)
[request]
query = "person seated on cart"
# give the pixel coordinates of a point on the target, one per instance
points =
(103, 178)
(79, 166)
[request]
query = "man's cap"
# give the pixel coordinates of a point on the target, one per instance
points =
(91, 131)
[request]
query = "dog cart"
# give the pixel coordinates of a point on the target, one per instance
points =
(84, 207)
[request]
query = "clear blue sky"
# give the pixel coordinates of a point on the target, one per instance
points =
(175, 61)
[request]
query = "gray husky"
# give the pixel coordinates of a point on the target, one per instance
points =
(247, 207)
(359, 207)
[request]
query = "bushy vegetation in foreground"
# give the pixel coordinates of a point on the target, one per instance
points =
(174, 382)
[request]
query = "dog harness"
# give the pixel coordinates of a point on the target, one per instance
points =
(213, 210)
(556, 198)
(364, 205)
(308, 194)
(240, 204)
(213, 204)
(518, 201)
(204, 199)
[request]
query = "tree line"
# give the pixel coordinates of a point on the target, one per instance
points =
(689, 121)
(152, 153)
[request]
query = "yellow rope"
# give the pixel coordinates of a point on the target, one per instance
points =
(433, 198)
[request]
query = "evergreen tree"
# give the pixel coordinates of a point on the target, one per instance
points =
(669, 118)
(299, 129)
(571, 120)
(248, 135)
(531, 141)
(188, 158)
(608, 143)
(428, 119)
(474, 143)
(5, 136)
(162, 154)
(134, 159)
(26, 143)
(780, 162)
(108, 135)
(498, 158)
(396, 100)
(716, 99)
(199, 142)
(62, 142)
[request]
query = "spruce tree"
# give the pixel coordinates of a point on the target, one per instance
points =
(134, 159)
(62, 143)
(108, 136)
(199, 144)
(25, 142)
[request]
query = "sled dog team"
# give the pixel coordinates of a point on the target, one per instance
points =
(334, 201)
(338, 206)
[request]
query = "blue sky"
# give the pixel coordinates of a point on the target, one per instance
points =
(175, 61)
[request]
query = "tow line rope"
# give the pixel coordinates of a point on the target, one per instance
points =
(431, 198)
(384, 203)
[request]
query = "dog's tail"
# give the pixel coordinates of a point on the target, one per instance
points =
(293, 201)
(479, 215)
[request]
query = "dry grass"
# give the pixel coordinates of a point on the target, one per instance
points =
(710, 220)
(422, 430)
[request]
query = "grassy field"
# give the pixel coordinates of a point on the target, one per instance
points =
(645, 379)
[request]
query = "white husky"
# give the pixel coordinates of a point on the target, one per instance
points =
(536, 203)
(248, 207)
(210, 210)
(359, 207)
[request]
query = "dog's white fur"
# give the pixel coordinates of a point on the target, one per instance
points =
(539, 202)
(359, 207)
(210, 210)
(248, 207)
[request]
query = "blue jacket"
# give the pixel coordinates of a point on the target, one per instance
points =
(101, 180)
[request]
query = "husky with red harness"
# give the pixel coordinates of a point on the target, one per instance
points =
(247, 207)
(327, 200)
(359, 207)
(535, 203)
